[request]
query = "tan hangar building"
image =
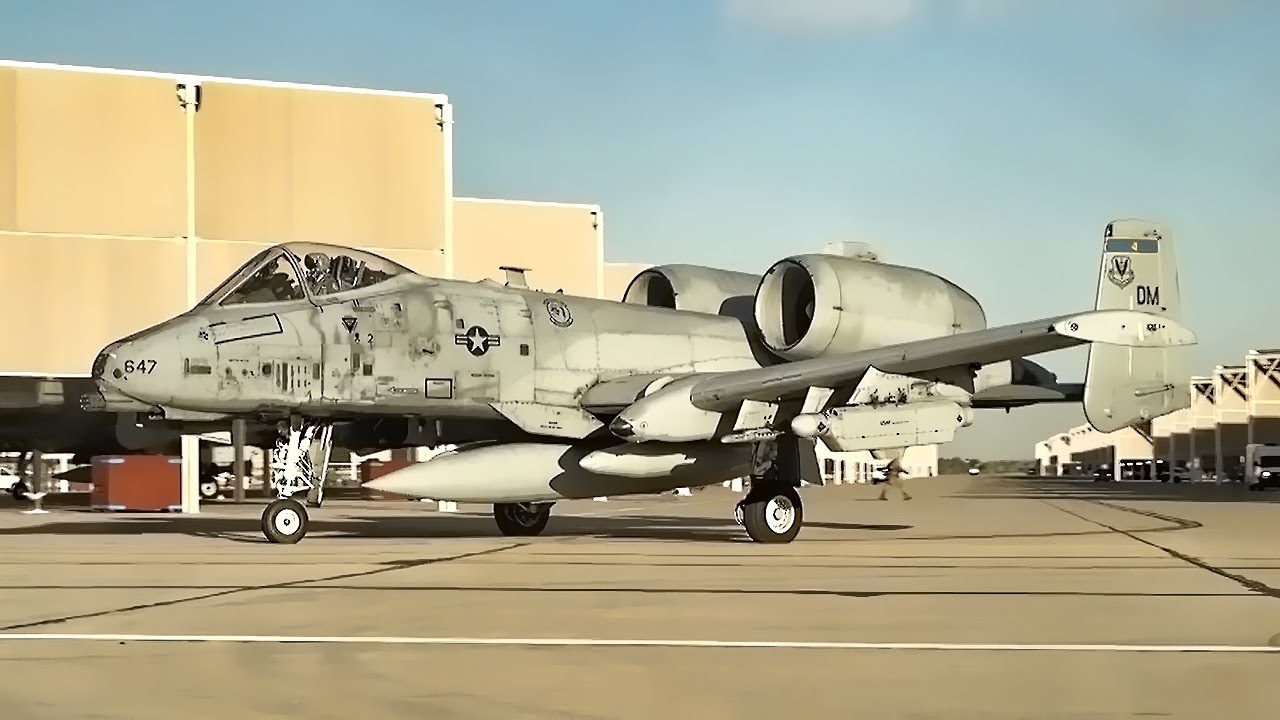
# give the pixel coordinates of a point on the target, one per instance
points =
(126, 196)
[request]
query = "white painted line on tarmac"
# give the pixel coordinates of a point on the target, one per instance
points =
(597, 642)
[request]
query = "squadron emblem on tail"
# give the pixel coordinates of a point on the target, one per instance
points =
(1121, 271)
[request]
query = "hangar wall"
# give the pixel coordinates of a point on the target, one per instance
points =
(1085, 450)
(127, 196)
(92, 168)
(859, 466)
(561, 245)
(617, 276)
(1263, 382)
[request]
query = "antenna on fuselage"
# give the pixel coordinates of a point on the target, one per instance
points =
(855, 250)
(515, 276)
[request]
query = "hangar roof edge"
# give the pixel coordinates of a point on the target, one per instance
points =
(595, 207)
(439, 98)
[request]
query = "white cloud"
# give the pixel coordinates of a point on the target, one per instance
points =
(822, 16)
(837, 17)
(987, 9)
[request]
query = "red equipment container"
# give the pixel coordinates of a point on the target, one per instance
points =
(137, 483)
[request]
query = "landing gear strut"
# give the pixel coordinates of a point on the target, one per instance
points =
(522, 519)
(772, 511)
(299, 463)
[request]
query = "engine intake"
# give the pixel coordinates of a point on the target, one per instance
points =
(696, 289)
(811, 305)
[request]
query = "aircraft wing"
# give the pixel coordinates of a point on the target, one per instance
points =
(724, 391)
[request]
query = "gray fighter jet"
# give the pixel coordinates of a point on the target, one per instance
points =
(696, 377)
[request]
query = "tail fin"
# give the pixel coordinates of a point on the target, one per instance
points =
(1126, 386)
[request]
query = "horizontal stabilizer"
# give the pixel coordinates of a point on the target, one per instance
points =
(1129, 328)
(1006, 396)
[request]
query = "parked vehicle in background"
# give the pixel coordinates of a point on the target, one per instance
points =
(13, 483)
(1266, 473)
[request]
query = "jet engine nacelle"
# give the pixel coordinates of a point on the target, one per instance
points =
(811, 305)
(866, 427)
(695, 288)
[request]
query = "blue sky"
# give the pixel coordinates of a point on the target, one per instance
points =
(988, 140)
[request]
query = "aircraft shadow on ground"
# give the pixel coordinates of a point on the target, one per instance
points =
(422, 526)
(1032, 488)
(441, 526)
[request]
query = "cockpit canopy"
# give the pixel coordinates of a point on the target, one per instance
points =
(294, 271)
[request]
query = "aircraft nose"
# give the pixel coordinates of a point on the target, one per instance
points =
(101, 362)
(143, 366)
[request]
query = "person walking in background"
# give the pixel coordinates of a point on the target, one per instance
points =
(891, 475)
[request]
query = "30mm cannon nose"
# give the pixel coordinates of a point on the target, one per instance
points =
(100, 362)
(145, 366)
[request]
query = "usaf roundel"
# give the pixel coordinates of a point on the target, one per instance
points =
(558, 312)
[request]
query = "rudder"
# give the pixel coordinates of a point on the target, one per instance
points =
(1125, 386)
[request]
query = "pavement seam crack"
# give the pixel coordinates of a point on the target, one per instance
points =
(386, 567)
(1247, 583)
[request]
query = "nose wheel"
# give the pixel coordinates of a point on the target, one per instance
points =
(284, 521)
(208, 489)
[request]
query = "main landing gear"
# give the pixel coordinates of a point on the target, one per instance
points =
(772, 511)
(522, 519)
(299, 463)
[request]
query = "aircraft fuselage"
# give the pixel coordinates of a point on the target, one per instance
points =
(427, 347)
(424, 347)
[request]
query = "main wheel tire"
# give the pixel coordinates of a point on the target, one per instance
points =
(208, 489)
(284, 521)
(774, 515)
(521, 519)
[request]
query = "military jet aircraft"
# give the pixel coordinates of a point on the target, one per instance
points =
(697, 376)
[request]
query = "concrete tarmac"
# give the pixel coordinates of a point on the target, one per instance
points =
(980, 598)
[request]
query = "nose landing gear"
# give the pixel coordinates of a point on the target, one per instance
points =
(299, 463)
